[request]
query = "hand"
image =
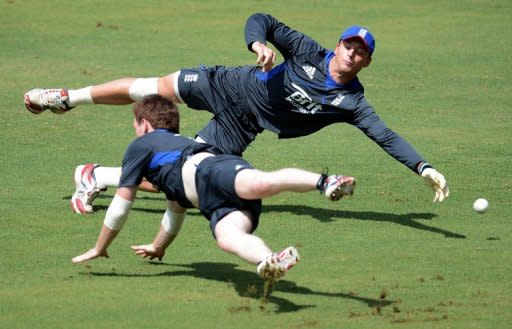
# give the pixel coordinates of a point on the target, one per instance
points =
(266, 56)
(148, 250)
(436, 181)
(91, 254)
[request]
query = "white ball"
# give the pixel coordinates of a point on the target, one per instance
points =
(480, 205)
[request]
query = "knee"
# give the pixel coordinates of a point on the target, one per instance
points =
(142, 87)
(167, 86)
(260, 188)
(223, 241)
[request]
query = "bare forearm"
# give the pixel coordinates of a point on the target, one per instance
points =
(105, 238)
(107, 235)
(163, 239)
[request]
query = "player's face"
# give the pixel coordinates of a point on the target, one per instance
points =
(352, 56)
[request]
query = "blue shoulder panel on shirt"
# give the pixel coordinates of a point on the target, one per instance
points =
(163, 158)
(264, 76)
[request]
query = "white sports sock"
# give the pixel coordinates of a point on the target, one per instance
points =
(107, 176)
(79, 96)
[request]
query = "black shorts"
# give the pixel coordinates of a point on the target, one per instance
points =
(217, 90)
(215, 182)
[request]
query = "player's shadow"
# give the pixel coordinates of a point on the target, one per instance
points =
(320, 214)
(146, 196)
(328, 215)
(247, 284)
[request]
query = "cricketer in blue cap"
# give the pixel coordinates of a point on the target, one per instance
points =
(361, 33)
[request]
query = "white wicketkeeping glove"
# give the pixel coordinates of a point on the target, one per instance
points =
(437, 183)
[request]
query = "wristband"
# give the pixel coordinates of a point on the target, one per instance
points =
(423, 166)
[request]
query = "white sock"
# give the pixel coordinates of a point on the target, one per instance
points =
(107, 176)
(79, 96)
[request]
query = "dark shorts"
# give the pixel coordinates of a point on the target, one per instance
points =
(217, 90)
(215, 181)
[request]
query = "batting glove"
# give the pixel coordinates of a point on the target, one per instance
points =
(437, 183)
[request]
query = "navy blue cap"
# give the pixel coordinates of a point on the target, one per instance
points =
(363, 34)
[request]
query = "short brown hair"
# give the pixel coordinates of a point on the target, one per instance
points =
(160, 112)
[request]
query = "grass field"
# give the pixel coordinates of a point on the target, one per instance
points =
(388, 257)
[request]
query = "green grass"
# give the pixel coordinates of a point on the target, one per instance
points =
(387, 257)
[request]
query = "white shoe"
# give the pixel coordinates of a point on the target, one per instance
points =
(276, 265)
(39, 100)
(335, 187)
(86, 189)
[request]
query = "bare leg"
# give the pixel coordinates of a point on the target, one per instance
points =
(256, 184)
(113, 92)
(117, 92)
(232, 233)
(233, 236)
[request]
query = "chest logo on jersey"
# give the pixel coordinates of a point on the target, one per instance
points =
(302, 102)
(337, 101)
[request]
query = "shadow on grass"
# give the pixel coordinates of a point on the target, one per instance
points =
(140, 196)
(327, 215)
(249, 284)
(323, 215)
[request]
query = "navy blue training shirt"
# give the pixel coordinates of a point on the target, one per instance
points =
(298, 97)
(159, 156)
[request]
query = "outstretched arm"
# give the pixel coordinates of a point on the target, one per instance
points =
(261, 28)
(169, 229)
(115, 218)
(396, 146)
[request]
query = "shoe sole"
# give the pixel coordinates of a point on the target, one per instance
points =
(290, 256)
(76, 204)
(286, 259)
(344, 189)
(78, 207)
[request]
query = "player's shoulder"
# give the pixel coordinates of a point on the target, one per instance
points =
(312, 49)
(151, 139)
(138, 145)
(313, 62)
